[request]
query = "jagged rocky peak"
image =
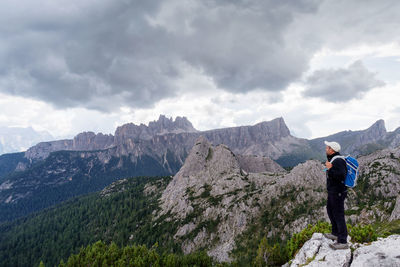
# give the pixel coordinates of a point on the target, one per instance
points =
(377, 130)
(205, 165)
(213, 183)
(162, 126)
(205, 157)
(276, 128)
(92, 141)
(165, 125)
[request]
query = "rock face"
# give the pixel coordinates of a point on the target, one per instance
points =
(42, 150)
(381, 169)
(362, 142)
(160, 127)
(396, 211)
(316, 252)
(213, 189)
(253, 163)
(86, 141)
(126, 134)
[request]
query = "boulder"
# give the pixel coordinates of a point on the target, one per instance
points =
(316, 252)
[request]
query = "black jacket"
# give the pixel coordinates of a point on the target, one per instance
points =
(336, 175)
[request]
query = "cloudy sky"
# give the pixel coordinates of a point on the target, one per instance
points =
(68, 66)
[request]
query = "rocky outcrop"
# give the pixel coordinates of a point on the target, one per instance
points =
(392, 139)
(162, 126)
(43, 149)
(384, 252)
(316, 252)
(396, 211)
(253, 163)
(381, 169)
(88, 141)
(212, 188)
(165, 125)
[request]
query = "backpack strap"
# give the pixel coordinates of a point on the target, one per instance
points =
(336, 157)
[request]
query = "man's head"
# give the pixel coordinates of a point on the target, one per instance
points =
(331, 147)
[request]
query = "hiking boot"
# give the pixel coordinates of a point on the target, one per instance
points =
(331, 237)
(337, 245)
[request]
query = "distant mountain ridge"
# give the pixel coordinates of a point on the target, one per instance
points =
(211, 204)
(271, 139)
(88, 141)
(259, 139)
(364, 141)
(161, 148)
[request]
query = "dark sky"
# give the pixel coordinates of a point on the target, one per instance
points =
(107, 55)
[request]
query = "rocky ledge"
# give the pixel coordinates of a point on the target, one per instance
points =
(316, 252)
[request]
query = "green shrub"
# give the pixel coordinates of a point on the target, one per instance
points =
(279, 254)
(298, 240)
(362, 234)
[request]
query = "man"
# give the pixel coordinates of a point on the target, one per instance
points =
(337, 193)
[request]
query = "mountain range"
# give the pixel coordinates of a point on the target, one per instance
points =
(219, 201)
(51, 172)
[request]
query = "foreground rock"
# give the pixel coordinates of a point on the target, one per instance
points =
(384, 252)
(316, 252)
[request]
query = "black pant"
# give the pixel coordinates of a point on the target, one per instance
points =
(335, 208)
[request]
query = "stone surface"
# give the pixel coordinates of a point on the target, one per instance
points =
(257, 164)
(384, 252)
(316, 252)
(213, 184)
(396, 211)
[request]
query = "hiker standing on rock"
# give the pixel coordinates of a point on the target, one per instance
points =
(336, 171)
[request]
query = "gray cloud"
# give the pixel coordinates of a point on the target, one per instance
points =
(104, 55)
(341, 85)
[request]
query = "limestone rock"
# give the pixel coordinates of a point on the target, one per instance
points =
(396, 211)
(43, 149)
(162, 126)
(253, 163)
(384, 252)
(316, 252)
(212, 184)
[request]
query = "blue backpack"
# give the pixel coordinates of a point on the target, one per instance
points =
(352, 170)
